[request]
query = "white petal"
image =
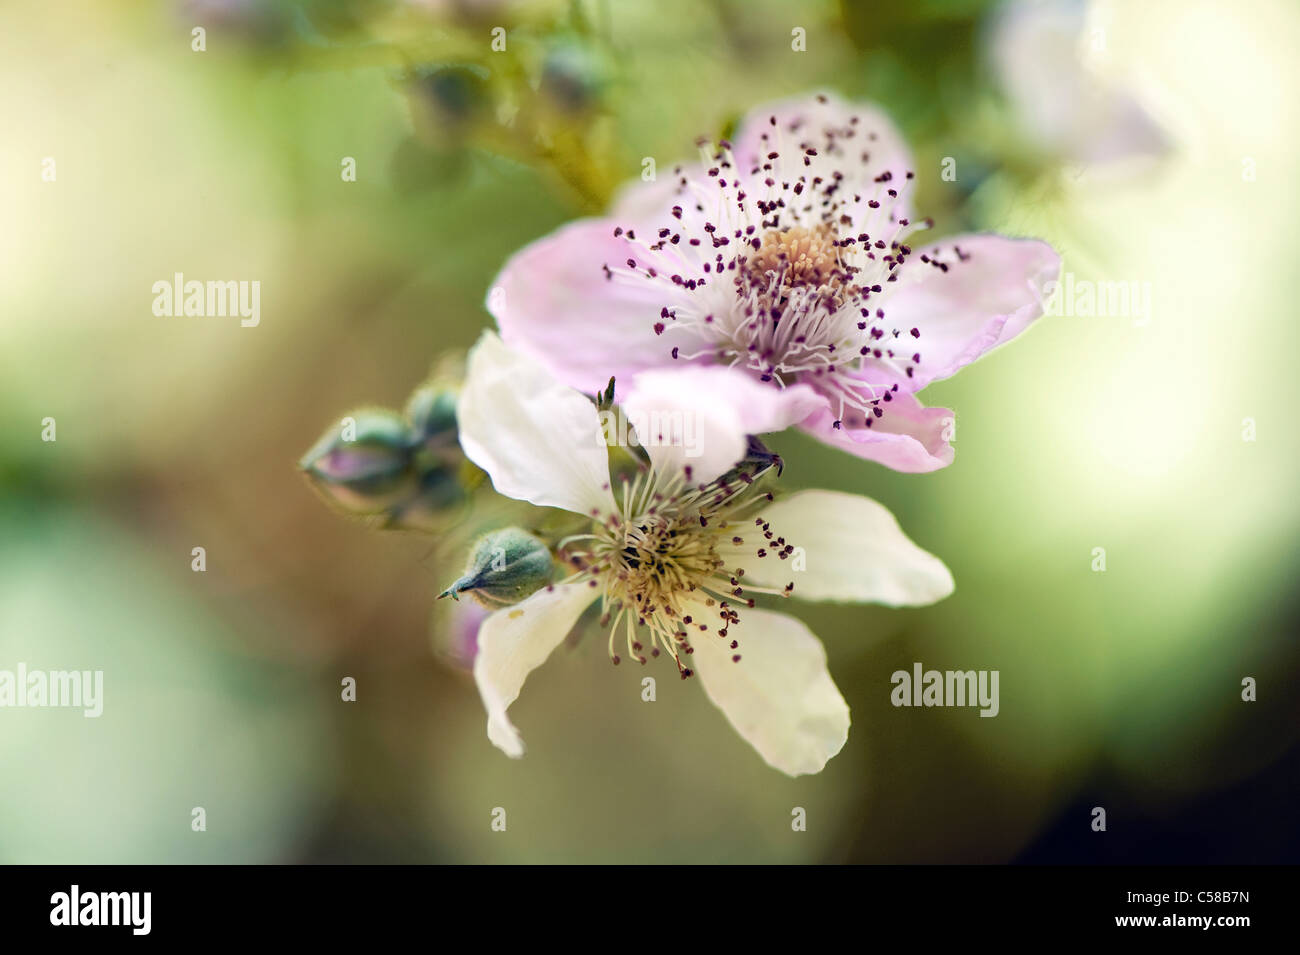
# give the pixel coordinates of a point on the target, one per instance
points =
(516, 640)
(538, 440)
(700, 417)
(779, 695)
(1064, 106)
(853, 549)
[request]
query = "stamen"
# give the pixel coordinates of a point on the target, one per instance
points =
(672, 545)
(780, 269)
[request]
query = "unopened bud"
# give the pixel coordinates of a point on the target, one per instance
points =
(573, 77)
(432, 414)
(364, 462)
(504, 568)
(449, 95)
(437, 492)
(454, 626)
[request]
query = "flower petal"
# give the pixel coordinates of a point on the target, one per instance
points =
(700, 417)
(908, 437)
(779, 696)
(854, 551)
(515, 641)
(650, 204)
(538, 440)
(992, 288)
(854, 130)
(553, 301)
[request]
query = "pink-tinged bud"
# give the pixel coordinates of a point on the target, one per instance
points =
(364, 463)
(455, 626)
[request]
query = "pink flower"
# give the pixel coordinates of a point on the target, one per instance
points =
(782, 259)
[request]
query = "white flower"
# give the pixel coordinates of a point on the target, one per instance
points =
(674, 556)
(1066, 108)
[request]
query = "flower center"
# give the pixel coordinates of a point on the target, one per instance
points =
(662, 553)
(780, 266)
(797, 257)
(791, 295)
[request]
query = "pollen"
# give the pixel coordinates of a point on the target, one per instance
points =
(783, 261)
(799, 256)
(669, 548)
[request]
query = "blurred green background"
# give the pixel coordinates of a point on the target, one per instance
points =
(1118, 689)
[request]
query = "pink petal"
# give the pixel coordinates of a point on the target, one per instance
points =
(553, 302)
(701, 416)
(907, 437)
(651, 204)
(804, 121)
(992, 289)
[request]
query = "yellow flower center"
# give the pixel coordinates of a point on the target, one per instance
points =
(661, 553)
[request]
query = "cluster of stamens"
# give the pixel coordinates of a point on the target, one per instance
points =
(672, 546)
(781, 269)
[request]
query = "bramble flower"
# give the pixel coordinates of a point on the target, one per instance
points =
(674, 554)
(785, 258)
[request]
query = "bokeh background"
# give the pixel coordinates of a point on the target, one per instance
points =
(1119, 689)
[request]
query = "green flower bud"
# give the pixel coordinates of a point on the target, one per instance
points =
(432, 414)
(364, 463)
(439, 491)
(504, 568)
(453, 94)
(574, 77)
